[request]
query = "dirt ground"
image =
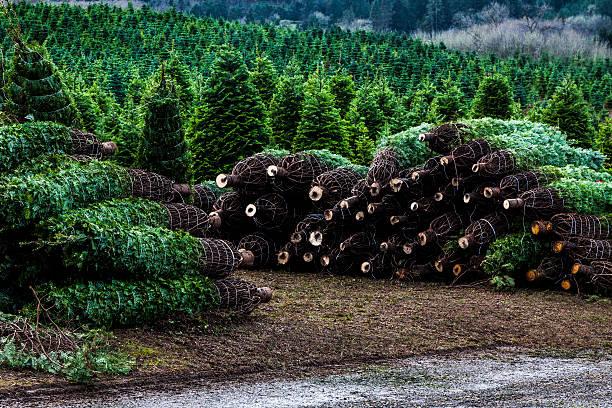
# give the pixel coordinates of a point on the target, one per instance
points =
(318, 324)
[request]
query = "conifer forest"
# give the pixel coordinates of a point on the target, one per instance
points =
(151, 153)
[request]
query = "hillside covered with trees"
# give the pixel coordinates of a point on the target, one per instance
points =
(363, 84)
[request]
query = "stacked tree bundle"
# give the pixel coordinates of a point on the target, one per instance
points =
(461, 214)
(108, 245)
(272, 195)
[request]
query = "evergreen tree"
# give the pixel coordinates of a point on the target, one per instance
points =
(180, 76)
(569, 112)
(603, 141)
(361, 146)
(264, 78)
(285, 107)
(162, 147)
(230, 124)
(447, 106)
(88, 111)
(320, 125)
(375, 102)
(342, 87)
(34, 87)
(493, 98)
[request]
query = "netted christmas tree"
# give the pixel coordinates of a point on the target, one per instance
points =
(34, 87)
(163, 148)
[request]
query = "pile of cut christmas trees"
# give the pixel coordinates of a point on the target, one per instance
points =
(452, 203)
(103, 244)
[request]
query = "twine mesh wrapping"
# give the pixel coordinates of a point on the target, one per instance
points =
(229, 207)
(432, 175)
(599, 275)
(485, 230)
(340, 215)
(219, 258)
(383, 168)
(308, 224)
(586, 249)
(188, 218)
(550, 268)
(585, 226)
(442, 138)
(272, 211)
(358, 243)
(333, 186)
(264, 249)
(381, 266)
(236, 295)
(152, 186)
(298, 172)
(443, 226)
(360, 193)
(204, 197)
(541, 203)
(521, 182)
(496, 164)
(85, 143)
(465, 155)
(250, 175)
(389, 205)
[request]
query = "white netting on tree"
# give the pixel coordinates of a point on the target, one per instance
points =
(485, 230)
(584, 249)
(466, 155)
(585, 226)
(538, 203)
(204, 197)
(384, 167)
(444, 137)
(236, 295)
(249, 175)
(149, 185)
(518, 183)
(332, 186)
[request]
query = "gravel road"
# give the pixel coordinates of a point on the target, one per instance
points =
(497, 379)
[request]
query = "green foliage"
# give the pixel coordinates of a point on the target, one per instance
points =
(375, 103)
(342, 87)
(264, 78)
(285, 108)
(58, 185)
(93, 355)
(447, 105)
(508, 258)
(406, 144)
(493, 98)
(21, 142)
(163, 148)
(320, 126)
(574, 172)
(230, 123)
(569, 112)
(535, 144)
(130, 211)
(331, 159)
(603, 141)
(119, 303)
(111, 250)
(34, 87)
(584, 196)
(178, 72)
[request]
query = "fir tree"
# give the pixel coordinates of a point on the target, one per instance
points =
(569, 112)
(162, 147)
(446, 106)
(264, 78)
(34, 87)
(493, 98)
(88, 111)
(361, 146)
(603, 141)
(342, 87)
(230, 124)
(285, 107)
(180, 76)
(320, 126)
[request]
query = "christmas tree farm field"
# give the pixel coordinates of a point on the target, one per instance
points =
(319, 324)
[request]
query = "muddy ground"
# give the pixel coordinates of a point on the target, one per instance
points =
(318, 325)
